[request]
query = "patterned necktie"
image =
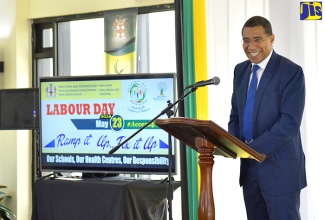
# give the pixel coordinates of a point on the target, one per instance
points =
(248, 113)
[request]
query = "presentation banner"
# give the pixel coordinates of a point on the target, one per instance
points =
(81, 121)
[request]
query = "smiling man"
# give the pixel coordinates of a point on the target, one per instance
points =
(267, 106)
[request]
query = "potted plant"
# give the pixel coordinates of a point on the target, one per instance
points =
(5, 213)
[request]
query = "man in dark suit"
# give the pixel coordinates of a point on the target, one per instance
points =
(271, 188)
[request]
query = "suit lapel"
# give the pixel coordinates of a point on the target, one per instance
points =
(242, 90)
(266, 77)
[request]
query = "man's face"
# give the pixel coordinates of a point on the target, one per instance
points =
(256, 44)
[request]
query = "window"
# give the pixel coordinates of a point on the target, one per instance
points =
(74, 45)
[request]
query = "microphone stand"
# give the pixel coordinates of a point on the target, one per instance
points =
(170, 189)
(169, 113)
(170, 106)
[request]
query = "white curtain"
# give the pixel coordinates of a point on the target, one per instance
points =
(301, 41)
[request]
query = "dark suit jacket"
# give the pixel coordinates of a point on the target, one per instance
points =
(278, 110)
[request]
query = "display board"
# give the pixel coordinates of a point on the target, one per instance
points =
(83, 118)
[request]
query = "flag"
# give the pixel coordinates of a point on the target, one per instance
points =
(120, 41)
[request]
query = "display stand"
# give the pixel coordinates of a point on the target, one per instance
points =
(208, 139)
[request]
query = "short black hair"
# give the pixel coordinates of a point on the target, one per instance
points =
(259, 21)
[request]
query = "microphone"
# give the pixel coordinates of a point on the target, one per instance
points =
(215, 80)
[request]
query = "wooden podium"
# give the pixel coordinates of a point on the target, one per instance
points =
(208, 139)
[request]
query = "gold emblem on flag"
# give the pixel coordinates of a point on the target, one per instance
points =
(120, 28)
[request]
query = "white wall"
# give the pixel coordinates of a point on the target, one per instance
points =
(50, 8)
(15, 147)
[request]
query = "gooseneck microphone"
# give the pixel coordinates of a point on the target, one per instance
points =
(214, 81)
